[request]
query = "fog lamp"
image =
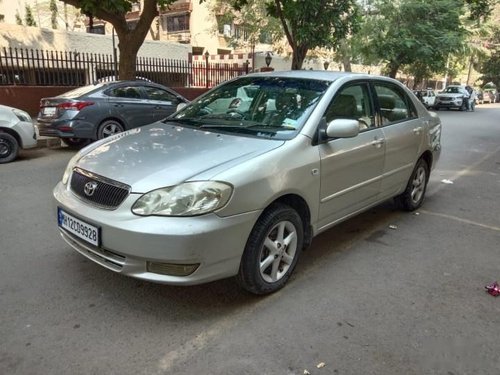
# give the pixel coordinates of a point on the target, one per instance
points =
(171, 269)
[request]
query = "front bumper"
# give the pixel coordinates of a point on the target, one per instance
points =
(128, 241)
(449, 103)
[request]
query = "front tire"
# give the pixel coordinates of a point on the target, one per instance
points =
(414, 194)
(272, 250)
(9, 148)
(108, 128)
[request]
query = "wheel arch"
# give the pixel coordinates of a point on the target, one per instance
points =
(113, 118)
(14, 134)
(427, 157)
(300, 205)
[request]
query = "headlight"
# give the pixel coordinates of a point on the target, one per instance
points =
(69, 167)
(187, 199)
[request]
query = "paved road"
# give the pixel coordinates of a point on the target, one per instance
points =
(365, 298)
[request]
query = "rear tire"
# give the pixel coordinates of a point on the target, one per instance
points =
(414, 194)
(272, 250)
(109, 128)
(9, 148)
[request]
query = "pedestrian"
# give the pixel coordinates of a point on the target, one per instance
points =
(471, 101)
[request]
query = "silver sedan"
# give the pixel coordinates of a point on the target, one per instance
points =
(238, 182)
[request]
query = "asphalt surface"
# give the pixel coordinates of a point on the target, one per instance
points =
(387, 292)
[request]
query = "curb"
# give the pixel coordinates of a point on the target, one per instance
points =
(48, 142)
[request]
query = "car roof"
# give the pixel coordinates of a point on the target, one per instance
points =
(315, 74)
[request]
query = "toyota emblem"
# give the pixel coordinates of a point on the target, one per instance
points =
(90, 188)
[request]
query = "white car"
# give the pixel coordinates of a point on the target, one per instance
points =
(16, 132)
(453, 96)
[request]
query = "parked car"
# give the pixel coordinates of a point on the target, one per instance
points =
(453, 96)
(103, 109)
(488, 97)
(16, 132)
(427, 97)
(214, 192)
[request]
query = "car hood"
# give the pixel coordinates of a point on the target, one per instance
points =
(162, 154)
(449, 95)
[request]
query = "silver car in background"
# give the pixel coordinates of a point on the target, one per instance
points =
(237, 185)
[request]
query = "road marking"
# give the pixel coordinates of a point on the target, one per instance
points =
(461, 220)
(465, 171)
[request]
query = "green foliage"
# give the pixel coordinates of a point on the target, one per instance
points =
(53, 13)
(29, 19)
(415, 34)
(490, 66)
(310, 24)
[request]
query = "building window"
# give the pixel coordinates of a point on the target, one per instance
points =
(175, 23)
(240, 32)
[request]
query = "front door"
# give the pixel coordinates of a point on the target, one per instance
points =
(351, 168)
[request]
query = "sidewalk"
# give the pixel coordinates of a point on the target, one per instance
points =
(48, 142)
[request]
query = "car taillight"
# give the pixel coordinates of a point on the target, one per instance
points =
(78, 106)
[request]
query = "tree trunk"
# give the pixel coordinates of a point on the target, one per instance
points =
(393, 69)
(346, 61)
(298, 56)
(127, 67)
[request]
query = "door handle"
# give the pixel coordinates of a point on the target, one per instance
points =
(118, 105)
(378, 142)
(417, 130)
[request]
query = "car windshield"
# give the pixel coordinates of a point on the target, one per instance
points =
(453, 90)
(268, 107)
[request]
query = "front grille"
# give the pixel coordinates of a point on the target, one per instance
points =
(98, 190)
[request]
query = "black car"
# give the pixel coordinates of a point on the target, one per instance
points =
(100, 110)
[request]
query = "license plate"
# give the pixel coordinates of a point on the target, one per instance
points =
(79, 228)
(49, 111)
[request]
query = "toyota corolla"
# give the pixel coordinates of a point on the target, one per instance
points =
(231, 186)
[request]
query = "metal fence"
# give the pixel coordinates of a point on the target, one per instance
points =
(56, 68)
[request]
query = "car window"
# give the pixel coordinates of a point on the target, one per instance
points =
(394, 105)
(352, 102)
(155, 93)
(131, 92)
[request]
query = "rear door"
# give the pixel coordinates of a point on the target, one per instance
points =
(403, 133)
(163, 102)
(129, 104)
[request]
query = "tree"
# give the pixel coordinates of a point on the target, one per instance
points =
(414, 33)
(250, 24)
(29, 19)
(310, 24)
(490, 66)
(53, 13)
(129, 40)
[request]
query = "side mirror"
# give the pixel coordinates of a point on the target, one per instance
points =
(180, 106)
(342, 128)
